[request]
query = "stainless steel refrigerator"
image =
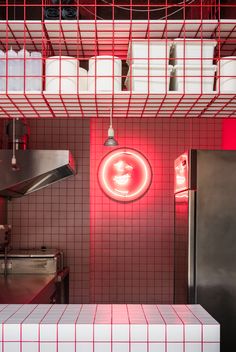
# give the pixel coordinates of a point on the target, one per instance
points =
(205, 236)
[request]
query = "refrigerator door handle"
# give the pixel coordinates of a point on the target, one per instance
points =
(192, 294)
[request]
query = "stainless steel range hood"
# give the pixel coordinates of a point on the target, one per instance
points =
(36, 169)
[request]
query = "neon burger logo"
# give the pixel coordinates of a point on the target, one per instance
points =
(124, 174)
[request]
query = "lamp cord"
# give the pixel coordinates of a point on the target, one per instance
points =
(13, 160)
(110, 118)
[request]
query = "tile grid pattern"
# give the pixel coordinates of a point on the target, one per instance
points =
(58, 216)
(106, 328)
(116, 253)
(132, 244)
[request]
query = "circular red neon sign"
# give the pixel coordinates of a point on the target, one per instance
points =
(124, 174)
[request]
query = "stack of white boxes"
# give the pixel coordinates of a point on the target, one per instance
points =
(226, 72)
(149, 69)
(193, 69)
(107, 328)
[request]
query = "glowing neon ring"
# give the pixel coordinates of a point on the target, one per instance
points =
(124, 174)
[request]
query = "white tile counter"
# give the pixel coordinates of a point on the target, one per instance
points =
(107, 328)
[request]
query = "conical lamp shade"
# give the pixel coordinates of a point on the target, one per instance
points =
(110, 142)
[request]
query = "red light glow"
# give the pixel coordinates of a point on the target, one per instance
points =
(124, 174)
(181, 173)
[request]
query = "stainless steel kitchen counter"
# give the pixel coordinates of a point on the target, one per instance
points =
(26, 288)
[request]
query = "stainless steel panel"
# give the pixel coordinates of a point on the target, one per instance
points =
(181, 247)
(30, 266)
(32, 262)
(36, 169)
(27, 289)
(211, 238)
(191, 247)
(216, 239)
(33, 253)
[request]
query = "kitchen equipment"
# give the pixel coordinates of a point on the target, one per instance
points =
(154, 79)
(2, 71)
(191, 51)
(193, 79)
(39, 273)
(149, 52)
(61, 74)
(226, 70)
(32, 261)
(205, 246)
(104, 74)
(36, 169)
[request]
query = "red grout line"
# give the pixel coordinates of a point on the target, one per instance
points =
(165, 327)
(3, 325)
(202, 345)
(94, 327)
(39, 324)
(147, 323)
(76, 321)
(129, 327)
(2, 343)
(21, 338)
(184, 337)
(57, 323)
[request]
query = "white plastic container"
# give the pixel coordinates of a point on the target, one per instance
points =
(12, 70)
(23, 68)
(193, 79)
(35, 71)
(57, 66)
(61, 74)
(2, 71)
(82, 79)
(226, 70)
(104, 74)
(155, 79)
(149, 51)
(69, 85)
(62, 85)
(188, 51)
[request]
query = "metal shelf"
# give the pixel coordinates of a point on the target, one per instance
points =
(124, 105)
(87, 38)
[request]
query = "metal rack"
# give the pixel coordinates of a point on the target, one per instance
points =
(84, 38)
